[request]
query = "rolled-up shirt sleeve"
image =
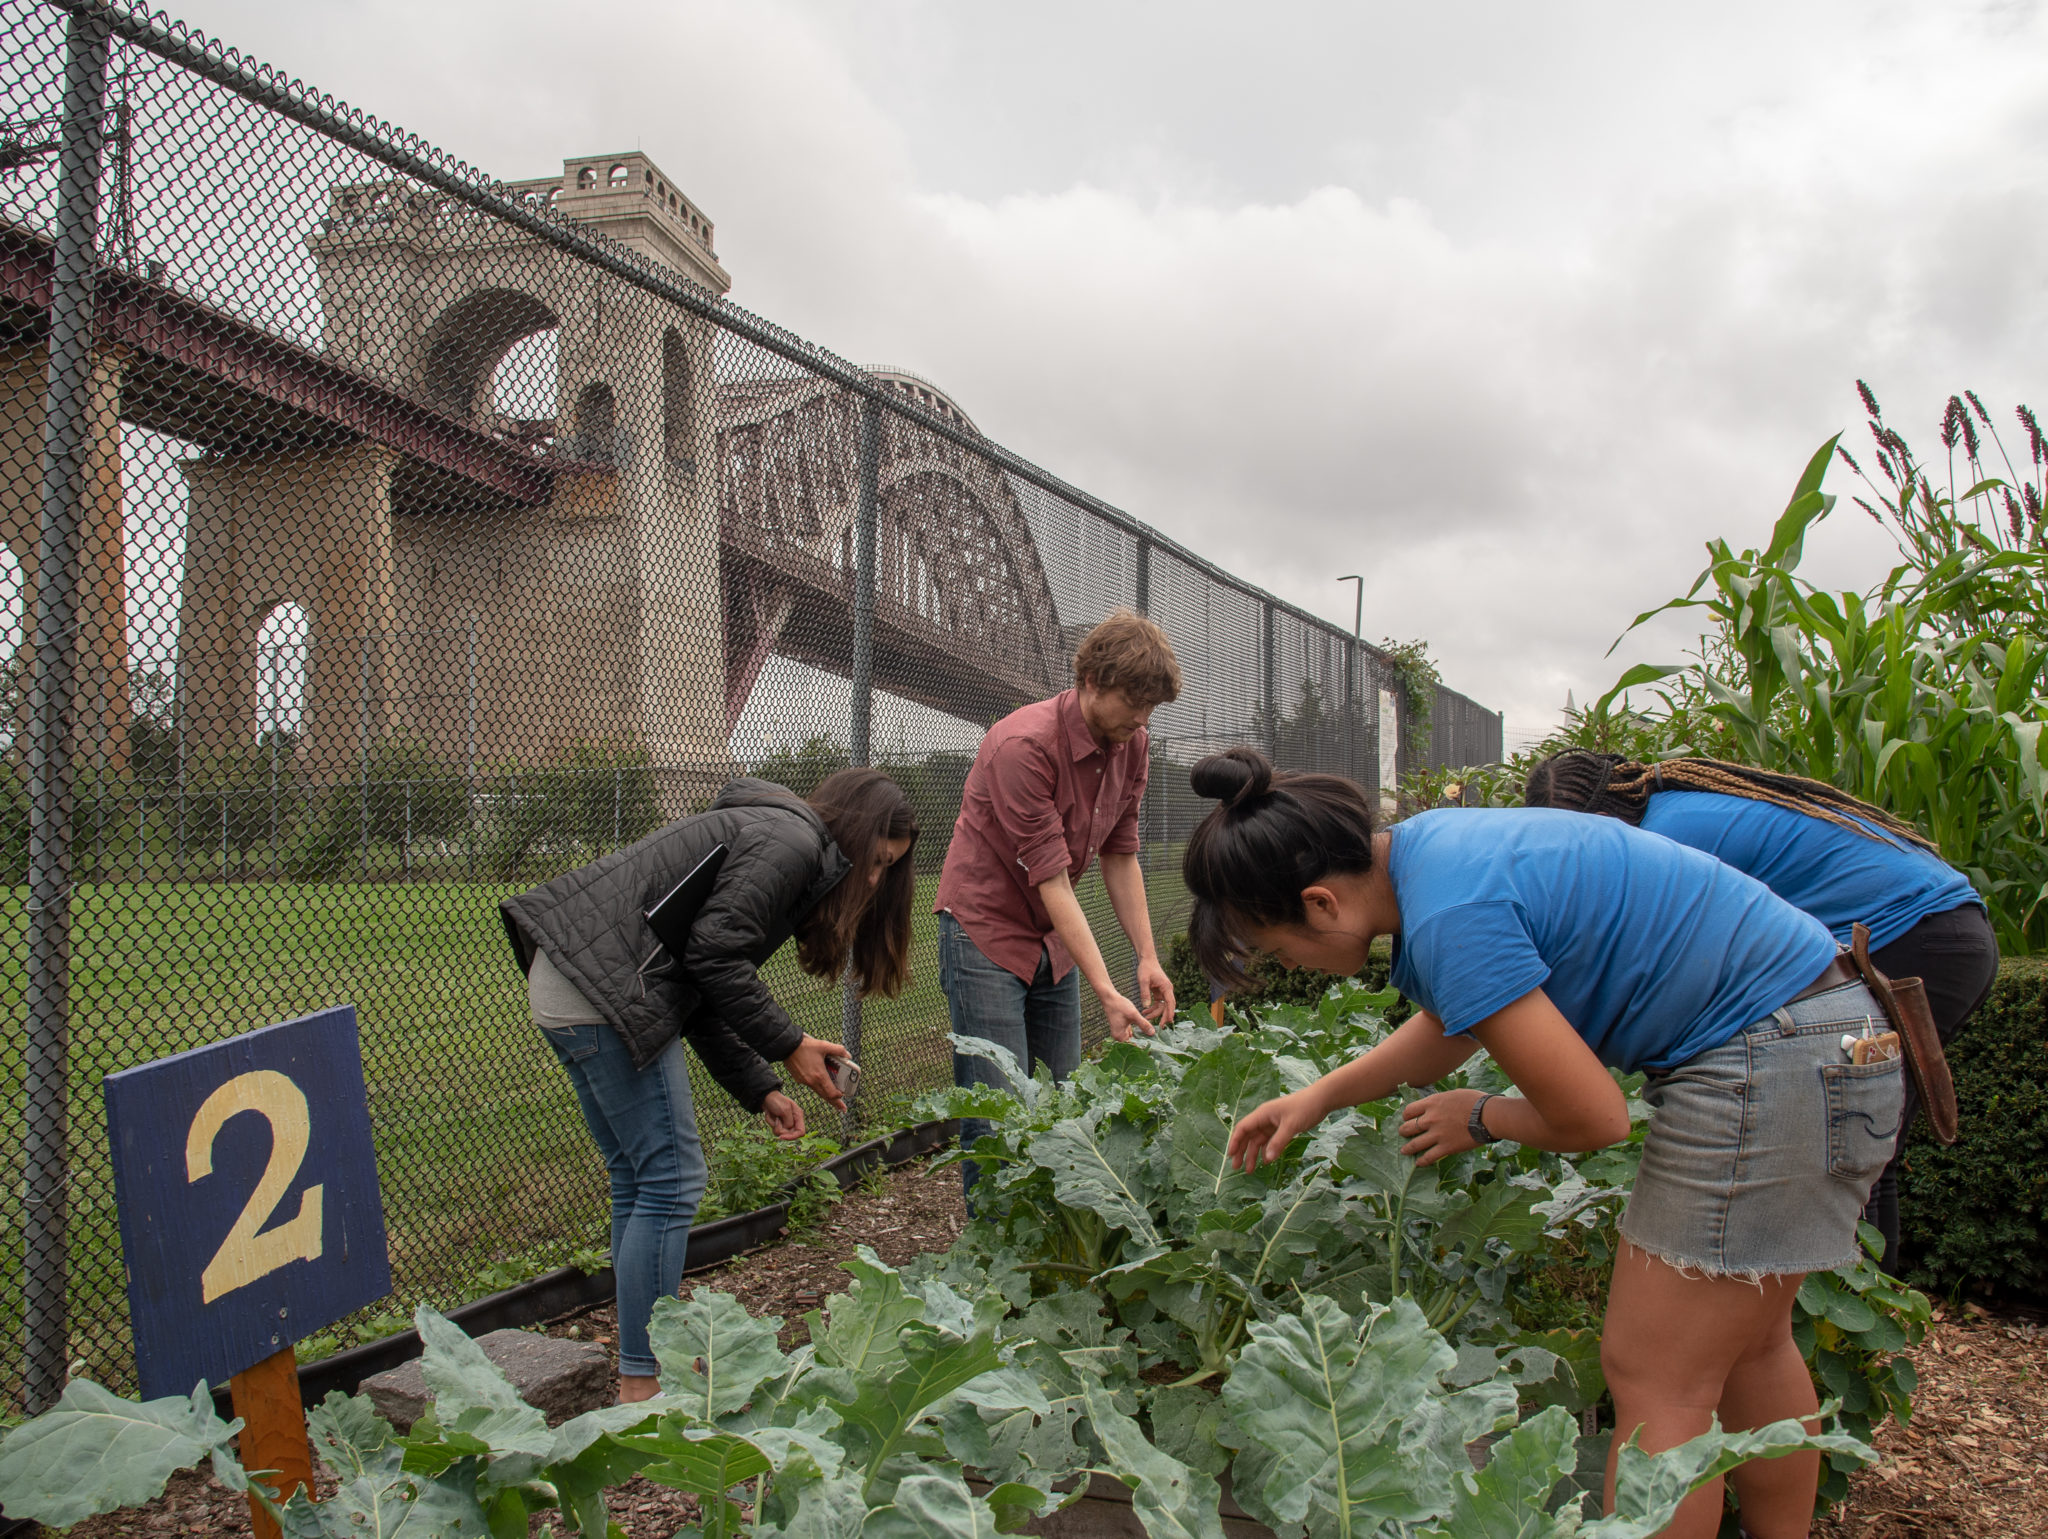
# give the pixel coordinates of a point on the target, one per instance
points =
(1123, 839)
(1021, 782)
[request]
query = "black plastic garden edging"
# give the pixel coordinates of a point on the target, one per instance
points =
(559, 1292)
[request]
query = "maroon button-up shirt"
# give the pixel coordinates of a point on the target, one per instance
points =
(1043, 797)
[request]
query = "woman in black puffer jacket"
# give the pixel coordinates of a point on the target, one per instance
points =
(833, 872)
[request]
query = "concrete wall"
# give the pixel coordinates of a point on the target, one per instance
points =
(101, 660)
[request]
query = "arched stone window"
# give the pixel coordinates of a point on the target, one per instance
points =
(473, 365)
(597, 434)
(282, 658)
(586, 179)
(678, 425)
(619, 176)
(523, 386)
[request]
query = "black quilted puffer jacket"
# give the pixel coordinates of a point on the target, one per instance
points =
(780, 862)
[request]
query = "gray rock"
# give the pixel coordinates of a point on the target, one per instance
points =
(556, 1377)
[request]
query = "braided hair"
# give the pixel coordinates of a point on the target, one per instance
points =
(1616, 787)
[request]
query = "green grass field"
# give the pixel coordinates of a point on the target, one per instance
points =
(482, 1154)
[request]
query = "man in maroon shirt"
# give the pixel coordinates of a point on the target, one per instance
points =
(1054, 786)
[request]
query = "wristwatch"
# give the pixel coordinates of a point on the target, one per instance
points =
(1475, 1123)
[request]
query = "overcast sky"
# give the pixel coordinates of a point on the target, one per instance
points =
(1508, 305)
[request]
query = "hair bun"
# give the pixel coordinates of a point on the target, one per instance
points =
(1233, 777)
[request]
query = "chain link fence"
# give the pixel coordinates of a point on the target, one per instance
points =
(413, 537)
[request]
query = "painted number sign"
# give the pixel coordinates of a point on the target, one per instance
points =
(247, 1188)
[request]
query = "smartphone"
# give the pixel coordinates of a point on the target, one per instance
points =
(845, 1075)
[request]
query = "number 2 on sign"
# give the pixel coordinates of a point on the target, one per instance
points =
(246, 1255)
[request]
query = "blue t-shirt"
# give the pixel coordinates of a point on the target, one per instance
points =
(1654, 952)
(1836, 876)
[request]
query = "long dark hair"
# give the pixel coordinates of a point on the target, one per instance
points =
(1615, 787)
(868, 927)
(1275, 833)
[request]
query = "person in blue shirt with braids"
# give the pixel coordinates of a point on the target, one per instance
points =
(1824, 851)
(1566, 946)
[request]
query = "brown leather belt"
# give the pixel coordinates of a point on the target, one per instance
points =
(1839, 972)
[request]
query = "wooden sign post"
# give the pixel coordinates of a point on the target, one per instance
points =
(247, 1187)
(274, 1432)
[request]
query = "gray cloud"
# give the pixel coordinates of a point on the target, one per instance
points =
(1511, 305)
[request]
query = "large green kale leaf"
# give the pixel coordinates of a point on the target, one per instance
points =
(1510, 1497)
(714, 1356)
(1648, 1488)
(1218, 1088)
(1101, 1170)
(1173, 1501)
(93, 1452)
(861, 1329)
(1348, 1423)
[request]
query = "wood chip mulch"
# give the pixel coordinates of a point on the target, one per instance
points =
(1973, 1464)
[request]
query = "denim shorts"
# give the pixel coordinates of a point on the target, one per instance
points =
(1761, 1151)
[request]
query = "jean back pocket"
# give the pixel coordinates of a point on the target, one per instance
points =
(572, 1042)
(1864, 1102)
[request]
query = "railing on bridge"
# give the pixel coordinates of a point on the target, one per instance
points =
(411, 537)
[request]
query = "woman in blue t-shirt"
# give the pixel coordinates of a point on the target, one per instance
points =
(1563, 947)
(1821, 850)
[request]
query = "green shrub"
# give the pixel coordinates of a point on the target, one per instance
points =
(13, 822)
(804, 769)
(935, 785)
(556, 816)
(751, 1168)
(1272, 984)
(404, 794)
(1977, 1211)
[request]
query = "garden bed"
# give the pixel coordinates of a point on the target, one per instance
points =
(1969, 1467)
(1122, 1274)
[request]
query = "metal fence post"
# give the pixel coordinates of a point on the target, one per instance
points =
(867, 518)
(1154, 837)
(469, 748)
(364, 733)
(866, 525)
(66, 432)
(1267, 687)
(273, 795)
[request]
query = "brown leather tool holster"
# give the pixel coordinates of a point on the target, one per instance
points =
(1904, 1002)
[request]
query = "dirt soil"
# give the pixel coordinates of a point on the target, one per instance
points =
(1973, 1464)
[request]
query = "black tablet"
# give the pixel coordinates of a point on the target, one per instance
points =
(676, 910)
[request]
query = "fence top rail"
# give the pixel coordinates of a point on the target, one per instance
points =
(407, 153)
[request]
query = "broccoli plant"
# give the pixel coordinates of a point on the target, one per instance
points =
(1337, 1330)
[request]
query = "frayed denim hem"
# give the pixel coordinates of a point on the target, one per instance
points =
(1708, 1271)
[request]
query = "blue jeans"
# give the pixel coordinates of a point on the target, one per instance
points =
(1039, 1022)
(646, 1130)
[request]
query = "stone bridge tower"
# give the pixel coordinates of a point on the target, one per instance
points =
(489, 627)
